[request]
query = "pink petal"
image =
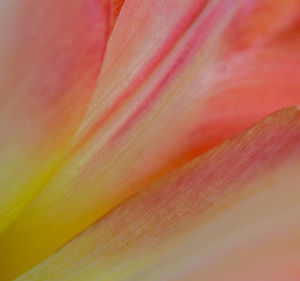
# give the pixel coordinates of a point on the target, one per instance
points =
(116, 6)
(176, 81)
(232, 211)
(51, 54)
(139, 21)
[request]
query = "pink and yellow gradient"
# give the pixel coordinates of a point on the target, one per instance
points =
(231, 213)
(178, 78)
(51, 54)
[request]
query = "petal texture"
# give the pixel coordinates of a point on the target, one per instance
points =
(178, 78)
(50, 55)
(232, 212)
(141, 20)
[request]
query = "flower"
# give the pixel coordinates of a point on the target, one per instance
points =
(123, 174)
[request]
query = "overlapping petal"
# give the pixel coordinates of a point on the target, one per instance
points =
(141, 21)
(50, 53)
(178, 78)
(115, 6)
(231, 214)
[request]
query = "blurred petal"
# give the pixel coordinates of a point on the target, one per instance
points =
(116, 6)
(231, 212)
(50, 56)
(178, 78)
(258, 71)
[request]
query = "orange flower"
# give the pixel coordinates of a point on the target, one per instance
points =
(178, 78)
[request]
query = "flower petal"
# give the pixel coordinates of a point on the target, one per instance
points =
(175, 82)
(141, 20)
(50, 55)
(231, 211)
(116, 6)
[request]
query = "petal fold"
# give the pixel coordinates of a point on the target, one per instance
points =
(177, 79)
(232, 212)
(50, 55)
